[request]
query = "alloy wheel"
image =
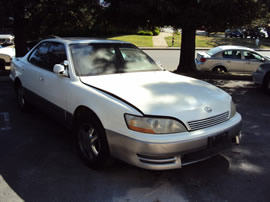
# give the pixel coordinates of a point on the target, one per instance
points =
(20, 96)
(89, 141)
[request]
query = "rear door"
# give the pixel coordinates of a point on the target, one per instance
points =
(232, 60)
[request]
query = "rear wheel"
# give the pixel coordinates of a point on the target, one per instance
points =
(220, 69)
(91, 141)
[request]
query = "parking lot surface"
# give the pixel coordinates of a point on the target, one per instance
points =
(38, 161)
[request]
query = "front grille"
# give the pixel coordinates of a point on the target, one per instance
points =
(205, 123)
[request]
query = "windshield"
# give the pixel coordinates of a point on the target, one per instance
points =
(98, 59)
(214, 51)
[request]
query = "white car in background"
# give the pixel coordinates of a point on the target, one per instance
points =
(6, 39)
(122, 104)
(6, 55)
(230, 59)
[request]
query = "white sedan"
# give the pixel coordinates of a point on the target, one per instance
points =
(230, 59)
(122, 104)
(6, 55)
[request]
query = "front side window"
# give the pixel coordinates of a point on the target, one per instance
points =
(39, 56)
(97, 59)
(252, 56)
(57, 55)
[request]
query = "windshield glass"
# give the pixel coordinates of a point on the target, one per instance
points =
(98, 59)
(213, 51)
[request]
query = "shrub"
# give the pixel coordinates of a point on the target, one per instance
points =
(156, 31)
(145, 32)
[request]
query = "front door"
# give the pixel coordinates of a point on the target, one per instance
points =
(53, 87)
(252, 61)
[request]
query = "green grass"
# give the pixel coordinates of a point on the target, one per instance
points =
(210, 42)
(138, 40)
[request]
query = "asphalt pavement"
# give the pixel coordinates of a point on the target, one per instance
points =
(38, 161)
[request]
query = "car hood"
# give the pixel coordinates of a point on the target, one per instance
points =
(162, 93)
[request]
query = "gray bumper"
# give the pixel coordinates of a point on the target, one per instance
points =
(163, 156)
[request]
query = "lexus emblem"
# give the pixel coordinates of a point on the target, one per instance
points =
(208, 109)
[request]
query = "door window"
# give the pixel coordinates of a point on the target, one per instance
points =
(252, 56)
(39, 56)
(57, 55)
(232, 54)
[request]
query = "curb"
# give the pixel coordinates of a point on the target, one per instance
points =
(168, 48)
(221, 76)
(197, 49)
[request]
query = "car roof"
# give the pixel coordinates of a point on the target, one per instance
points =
(231, 47)
(76, 40)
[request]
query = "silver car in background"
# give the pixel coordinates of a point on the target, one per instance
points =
(229, 59)
(262, 76)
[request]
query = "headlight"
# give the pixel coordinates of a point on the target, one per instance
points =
(233, 109)
(154, 125)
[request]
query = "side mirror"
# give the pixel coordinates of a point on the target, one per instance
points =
(60, 70)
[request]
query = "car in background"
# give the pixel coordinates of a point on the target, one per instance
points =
(6, 39)
(262, 76)
(230, 59)
(234, 33)
(257, 33)
(122, 104)
(6, 55)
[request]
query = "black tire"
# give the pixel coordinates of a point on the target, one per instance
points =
(2, 65)
(219, 69)
(266, 84)
(20, 94)
(92, 142)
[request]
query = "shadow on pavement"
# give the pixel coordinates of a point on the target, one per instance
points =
(38, 161)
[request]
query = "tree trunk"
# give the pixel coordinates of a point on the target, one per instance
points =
(187, 54)
(19, 32)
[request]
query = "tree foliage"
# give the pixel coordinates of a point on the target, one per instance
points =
(186, 14)
(36, 19)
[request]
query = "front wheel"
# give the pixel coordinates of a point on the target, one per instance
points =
(92, 142)
(21, 98)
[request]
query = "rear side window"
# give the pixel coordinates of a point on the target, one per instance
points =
(232, 54)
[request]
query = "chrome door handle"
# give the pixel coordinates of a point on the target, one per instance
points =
(41, 78)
